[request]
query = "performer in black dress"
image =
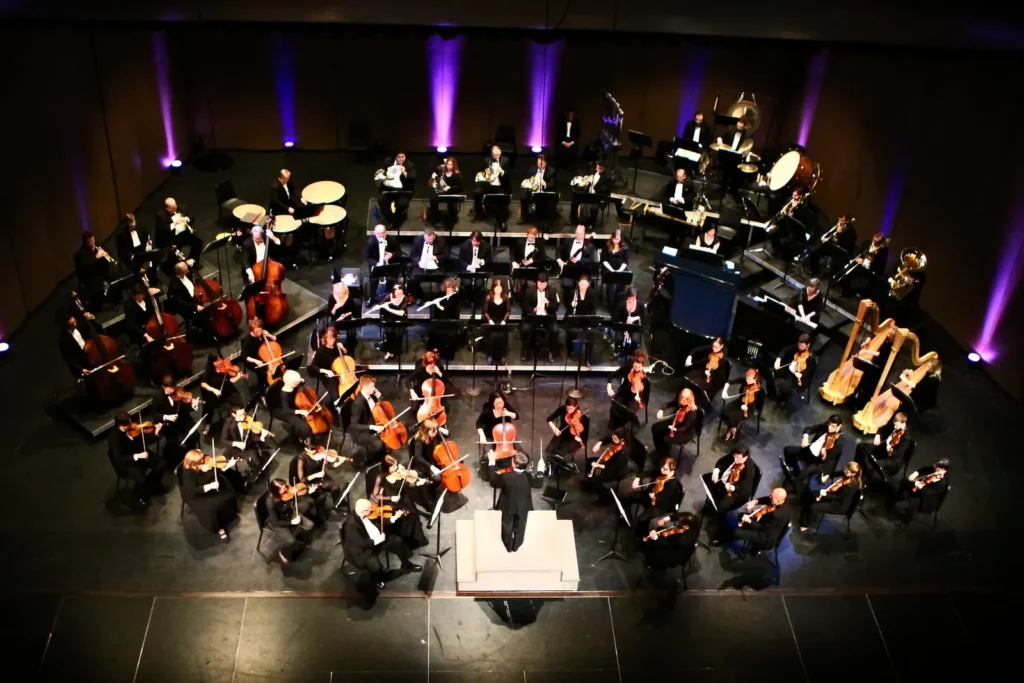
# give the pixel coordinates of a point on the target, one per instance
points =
(631, 311)
(251, 344)
(446, 180)
(677, 421)
(571, 429)
(208, 493)
(605, 471)
(497, 410)
(392, 485)
(287, 516)
(583, 302)
(496, 312)
(811, 302)
(329, 350)
(705, 366)
(393, 308)
(632, 394)
(218, 388)
(834, 498)
(747, 403)
(819, 452)
(798, 370)
(614, 259)
(446, 338)
(657, 492)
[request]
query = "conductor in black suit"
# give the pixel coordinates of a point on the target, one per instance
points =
(515, 500)
(568, 136)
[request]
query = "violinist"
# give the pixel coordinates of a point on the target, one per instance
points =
(543, 301)
(922, 491)
(239, 440)
(310, 467)
(181, 299)
(218, 385)
(496, 311)
(887, 451)
(133, 457)
(614, 259)
(632, 394)
(392, 309)
(669, 540)
(677, 421)
(819, 452)
(834, 498)
(582, 303)
(173, 228)
(658, 493)
(762, 520)
(251, 345)
(732, 480)
(495, 411)
(281, 401)
(579, 252)
(94, 269)
(606, 470)
(208, 494)
(134, 246)
(255, 249)
(362, 427)
(749, 401)
(394, 485)
(798, 370)
(174, 408)
(366, 533)
(515, 498)
(707, 366)
(328, 351)
(287, 516)
(571, 429)
(341, 307)
(631, 312)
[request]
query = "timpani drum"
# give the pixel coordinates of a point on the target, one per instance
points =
(793, 169)
(286, 227)
(329, 218)
(323, 192)
(250, 214)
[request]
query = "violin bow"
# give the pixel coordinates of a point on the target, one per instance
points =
(213, 457)
(252, 418)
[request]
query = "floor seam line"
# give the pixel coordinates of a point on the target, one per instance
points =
(145, 635)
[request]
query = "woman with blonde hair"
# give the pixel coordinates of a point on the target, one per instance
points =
(208, 493)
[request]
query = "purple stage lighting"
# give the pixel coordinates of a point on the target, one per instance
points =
(163, 82)
(543, 68)
(815, 76)
(176, 163)
(442, 150)
(284, 83)
(4, 347)
(289, 144)
(892, 200)
(1006, 280)
(536, 149)
(443, 62)
(693, 83)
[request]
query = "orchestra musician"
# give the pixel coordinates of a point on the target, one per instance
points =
(138, 312)
(799, 369)
(922, 491)
(578, 252)
(540, 300)
(543, 179)
(843, 235)
(611, 465)
(669, 541)
(208, 493)
(444, 337)
(393, 485)
(173, 229)
(708, 366)
(217, 387)
(696, 134)
(819, 452)
(811, 302)
(174, 411)
(428, 250)
(873, 255)
(251, 345)
(789, 237)
(600, 184)
(281, 401)
(428, 369)
(568, 137)
(421, 449)
(762, 527)
(633, 383)
(94, 269)
(362, 428)
(732, 480)
(678, 428)
(708, 239)
(834, 498)
(496, 311)
(678, 192)
(309, 467)
(571, 429)
(134, 458)
(284, 201)
(287, 515)
(239, 441)
(657, 492)
(363, 539)
(531, 252)
(181, 299)
(381, 250)
(255, 249)
(582, 303)
(632, 311)
(735, 135)
(392, 309)
(326, 353)
(496, 169)
(887, 451)
(446, 180)
(71, 344)
(748, 401)
(515, 498)
(133, 244)
(475, 253)
(341, 307)
(615, 259)
(496, 411)
(401, 176)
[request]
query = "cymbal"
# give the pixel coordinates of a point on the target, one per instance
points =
(575, 393)
(748, 168)
(753, 157)
(717, 145)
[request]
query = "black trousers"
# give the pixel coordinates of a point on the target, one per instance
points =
(799, 458)
(394, 218)
(513, 530)
(369, 449)
(295, 538)
(296, 424)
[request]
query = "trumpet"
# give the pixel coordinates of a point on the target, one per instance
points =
(100, 253)
(582, 180)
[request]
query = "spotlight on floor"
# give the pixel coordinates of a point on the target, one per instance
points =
(974, 357)
(289, 144)
(442, 149)
(536, 149)
(175, 163)
(4, 347)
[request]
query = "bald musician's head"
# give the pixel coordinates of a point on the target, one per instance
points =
(362, 507)
(291, 379)
(779, 496)
(380, 231)
(181, 269)
(170, 206)
(284, 176)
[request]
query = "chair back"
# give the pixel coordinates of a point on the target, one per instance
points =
(698, 426)
(782, 536)
(855, 503)
(225, 192)
(505, 137)
(907, 455)
(260, 508)
(293, 469)
(757, 476)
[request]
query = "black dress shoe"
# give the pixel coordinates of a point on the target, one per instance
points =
(379, 585)
(412, 567)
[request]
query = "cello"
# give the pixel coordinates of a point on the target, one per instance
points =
(113, 379)
(224, 313)
(344, 367)
(271, 356)
(454, 473)
(271, 301)
(319, 419)
(172, 355)
(432, 390)
(393, 434)
(504, 436)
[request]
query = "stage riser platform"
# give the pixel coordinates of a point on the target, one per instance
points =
(415, 224)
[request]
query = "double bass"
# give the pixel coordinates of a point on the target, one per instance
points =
(454, 473)
(224, 313)
(171, 354)
(113, 379)
(272, 302)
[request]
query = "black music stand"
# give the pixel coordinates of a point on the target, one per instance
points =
(387, 272)
(622, 278)
(907, 404)
(592, 201)
(436, 275)
(538, 323)
(545, 209)
(572, 272)
(613, 553)
(452, 201)
(402, 324)
(497, 206)
(224, 270)
(435, 518)
(397, 196)
(623, 328)
(583, 323)
(700, 397)
(527, 274)
(638, 141)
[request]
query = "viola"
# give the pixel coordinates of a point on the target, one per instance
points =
(394, 434)
(137, 428)
(734, 476)
(113, 379)
(609, 452)
(800, 359)
(432, 388)
(385, 511)
(225, 367)
(454, 474)
(319, 419)
(172, 355)
(271, 302)
(224, 313)
(402, 473)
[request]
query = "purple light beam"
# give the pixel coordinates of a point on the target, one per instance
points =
(1007, 277)
(892, 201)
(693, 84)
(284, 83)
(543, 66)
(443, 61)
(815, 76)
(163, 82)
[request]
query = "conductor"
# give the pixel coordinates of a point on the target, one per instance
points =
(515, 500)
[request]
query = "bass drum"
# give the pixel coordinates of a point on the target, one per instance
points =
(793, 169)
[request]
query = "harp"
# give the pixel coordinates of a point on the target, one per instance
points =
(843, 381)
(905, 362)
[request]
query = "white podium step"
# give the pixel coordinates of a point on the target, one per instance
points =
(545, 562)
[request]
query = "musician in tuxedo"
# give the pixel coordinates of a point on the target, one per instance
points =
(289, 520)
(515, 497)
(181, 300)
(696, 134)
(428, 251)
(496, 165)
(254, 250)
(568, 136)
(669, 540)
(134, 459)
(531, 251)
(363, 539)
(631, 311)
(731, 482)
(873, 255)
(844, 236)
(736, 135)
(600, 184)
(887, 451)
(762, 527)
(833, 498)
(93, 270)
(922, 491)
(363, 428)
(238, 441)
(540, 300)
(657, 492)
(173, 227)
(475, 254)
(733, 139)
(133, 243)
(819, 452)
(381, 250)
(544, 179)
(678, 192)
(283, 198)
(578, 252)
(402, 178)
(176, 418)
(71, 344)
(798, 370)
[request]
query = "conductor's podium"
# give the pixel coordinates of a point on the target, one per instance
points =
(545, 562)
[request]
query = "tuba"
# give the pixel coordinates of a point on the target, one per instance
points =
(912, 261)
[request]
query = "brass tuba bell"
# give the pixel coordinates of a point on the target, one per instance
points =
(912, 262)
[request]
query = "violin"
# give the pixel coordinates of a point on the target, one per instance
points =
(319, 419)
(766, 510)
(271, 302)
(929, 479)
(294, 491)
(385, 511)
(576, 424)
(225, 367)
(657, 487)
(680, 415)
(636, 385)
(750, 393)
(606, 456)
(800, 360)
(432, 389)
(220, 462)
(171, 354)
(224, 313)
(672, 531)
(713, 360)
(137, 428)
(251, 425)
(114, 380)
(403, 473)
(734, 476)
(179, 395)
(394, 434)
(454, 473)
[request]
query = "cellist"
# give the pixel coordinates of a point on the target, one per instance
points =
(428, 370)
(328, 351)
(495, 411)
(251, 345)
(281, 401)
(362, 427)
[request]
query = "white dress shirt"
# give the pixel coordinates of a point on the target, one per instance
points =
(817, 445)
(496, 168)
(375, 535)
(136, 242)
(736, 139)
(394, 178)
(78, 338)
(576, 249)
(542, 303)
(382, 248)
(678, 196)
(696, 133)
(593, 183)
(426, 262)
(188, 285)
(568, 129)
